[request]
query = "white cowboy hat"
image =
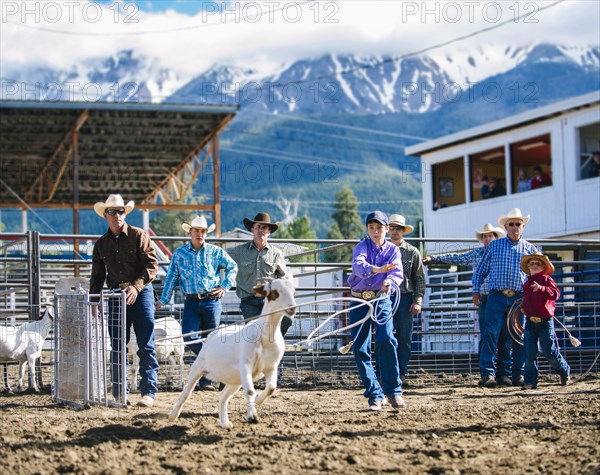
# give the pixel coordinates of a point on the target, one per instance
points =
(514, 213)
(549, 267)
(488, 228)
(198, 222)
(399, 220)
(113, 201)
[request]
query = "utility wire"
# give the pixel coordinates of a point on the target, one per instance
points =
(177, 29)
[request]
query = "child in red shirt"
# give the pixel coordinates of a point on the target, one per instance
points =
(539, 303)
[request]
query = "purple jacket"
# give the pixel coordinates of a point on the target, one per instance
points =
(366, 255)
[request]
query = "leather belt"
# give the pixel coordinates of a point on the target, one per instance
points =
(536, 319)
(197, 296)
(365, 295)
(507, 292)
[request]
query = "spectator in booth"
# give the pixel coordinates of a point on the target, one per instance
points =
(524, 183)
(496, 188)
(125, 259)
(258, 259)
(471, 259)
(592, 168)
(376, 264)
(412, 291)
(196, 269)
(485, 190)
(539, 304)
(501, 265)
(540, 179)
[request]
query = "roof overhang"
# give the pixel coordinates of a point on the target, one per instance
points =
(55, 153)
(535, 115)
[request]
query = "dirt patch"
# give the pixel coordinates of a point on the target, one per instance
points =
(448, 428)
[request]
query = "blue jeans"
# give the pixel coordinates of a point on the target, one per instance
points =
(403, 324)
(141, 315)
(496, 339)
(544, 333)
(200, 315)
(481, 317)
(252, 306)
(385, 351)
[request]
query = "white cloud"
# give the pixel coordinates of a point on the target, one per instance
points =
(286, 30)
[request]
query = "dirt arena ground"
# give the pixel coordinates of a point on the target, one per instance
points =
(449, 427)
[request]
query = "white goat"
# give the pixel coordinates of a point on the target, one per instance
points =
(169, 347)
(24, 344)
(239, 355)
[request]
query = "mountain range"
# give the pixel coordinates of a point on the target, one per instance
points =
(315, 125)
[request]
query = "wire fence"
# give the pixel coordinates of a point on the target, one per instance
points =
(446, 335)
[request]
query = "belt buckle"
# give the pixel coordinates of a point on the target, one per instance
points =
(535, 319)
(368, 295)
(508, 293)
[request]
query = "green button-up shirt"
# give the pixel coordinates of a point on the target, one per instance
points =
(254, 265)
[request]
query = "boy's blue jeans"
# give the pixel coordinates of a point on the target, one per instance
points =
(544, 333)
(385, 351)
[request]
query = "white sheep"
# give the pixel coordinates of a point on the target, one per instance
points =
(169, 346)
(24, 344)
(239, 355)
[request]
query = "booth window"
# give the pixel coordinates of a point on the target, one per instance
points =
(448, 183)
(589, 151)
(531, 161)
(488, 176)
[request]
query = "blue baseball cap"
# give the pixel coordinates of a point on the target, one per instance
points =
(378, 216)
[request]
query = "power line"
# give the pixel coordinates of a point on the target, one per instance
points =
(177, 29)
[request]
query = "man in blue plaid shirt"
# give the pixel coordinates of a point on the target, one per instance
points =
(471, 259)
(501, 264)
(195, 269)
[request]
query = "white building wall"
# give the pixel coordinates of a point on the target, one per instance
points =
(569, 206)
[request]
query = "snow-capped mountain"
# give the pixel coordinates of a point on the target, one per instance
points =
(331, 84)
(335, 84)
(125, 76)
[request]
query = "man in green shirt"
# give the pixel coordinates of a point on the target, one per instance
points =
(412, 291)
(256, 260)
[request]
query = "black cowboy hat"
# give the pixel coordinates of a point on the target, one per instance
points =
(261, 218)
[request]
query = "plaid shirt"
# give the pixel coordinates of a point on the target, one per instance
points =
(467, 259)
(414, 276)
(197, 272)
(501, 263)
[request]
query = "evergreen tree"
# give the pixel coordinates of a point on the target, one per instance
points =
(299, 229)
(168, 223)
(348, 225)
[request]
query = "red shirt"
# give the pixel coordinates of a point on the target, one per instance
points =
(543, 302)
(541, 181)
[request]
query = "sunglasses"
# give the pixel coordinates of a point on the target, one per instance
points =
(112, 212)
(535, 263)
(514, 224)
(396, 228)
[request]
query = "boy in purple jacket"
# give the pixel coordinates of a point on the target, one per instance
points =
(539, 303)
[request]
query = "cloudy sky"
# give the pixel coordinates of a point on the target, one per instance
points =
(190, 36)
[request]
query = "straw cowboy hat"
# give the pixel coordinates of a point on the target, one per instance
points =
(488, 228)
(200, 223)
(261, 218)
(513, 214)
(113, 201)
(549, 270)
(399, 220)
